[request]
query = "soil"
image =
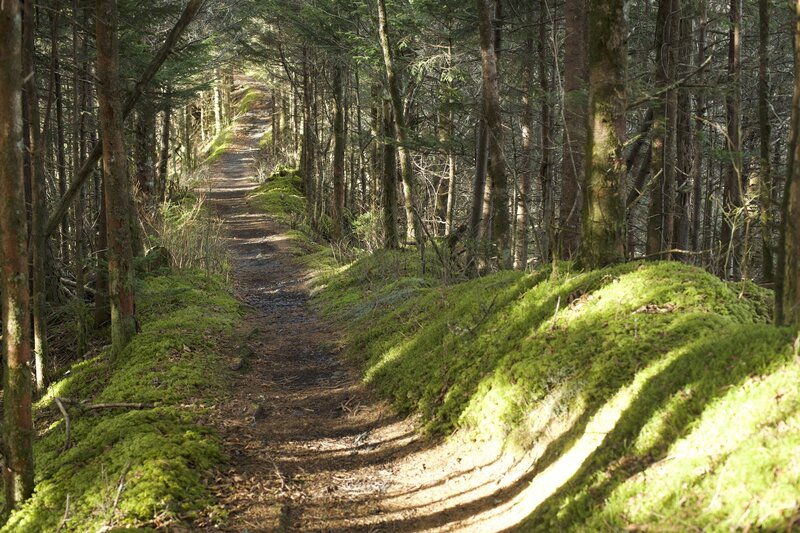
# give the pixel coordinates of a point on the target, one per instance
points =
(311, 448)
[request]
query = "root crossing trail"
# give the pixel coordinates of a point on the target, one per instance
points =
(311, 448)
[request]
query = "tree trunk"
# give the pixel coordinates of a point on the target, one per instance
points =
(765, 168)
(500, 218)
(36, 143)
(17, 417)
(787, 309)
(163, 158)
(406, 170)
(545, 172)
(389, 202)
(733, 192)
(575, 107)
(117, 188)
(339, 146)
(659, 226)
(524, 183)
(603, 239)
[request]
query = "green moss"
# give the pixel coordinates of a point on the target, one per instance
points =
(281, 197)
(692, 389)
(161, 456)
(219, 145)
(247, 101)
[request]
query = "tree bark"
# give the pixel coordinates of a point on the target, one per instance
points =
(38, 194)
(500, 217)
(575, 107)
(659, 222)
(389, 198)
(765, 167)
(117, 188)
(524, 183)
(406, 170)
(603, 239)
(733, 189)
(17, 416)
(787, 309)
(339, 146)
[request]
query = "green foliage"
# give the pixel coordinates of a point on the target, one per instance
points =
(693, 393)
(219, 145)
(160, 456)
(281, 197)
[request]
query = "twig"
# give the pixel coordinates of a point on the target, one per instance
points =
(66, 516)
(553, 323)
(120, 488)
(671, 87)
(98, 406)
(66, 424)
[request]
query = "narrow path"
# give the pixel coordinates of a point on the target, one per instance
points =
(311, 448)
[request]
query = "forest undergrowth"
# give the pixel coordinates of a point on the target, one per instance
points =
(652, 395)
(138, 451)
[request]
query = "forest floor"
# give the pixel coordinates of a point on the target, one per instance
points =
(311, 448)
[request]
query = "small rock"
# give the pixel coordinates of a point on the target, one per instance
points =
(237, 364)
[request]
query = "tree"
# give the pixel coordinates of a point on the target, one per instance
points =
(575, 106)
(17, 417)
(406, 170)
(500, 218)
(787, 309)
(603, 239)
(115, 173)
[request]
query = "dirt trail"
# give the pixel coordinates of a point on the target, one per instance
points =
(311, 448)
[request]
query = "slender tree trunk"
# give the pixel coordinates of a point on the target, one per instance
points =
(163, 159)
(697, 164)
(545, 171)
(500, 218)
(787, 309)
(765, 168)
(17, 418)
(603, 240)
(389, 199)
(575, 106)
(406, 170)
(117, 189)
(339, 147)
(37, 148)
(659, 227)
(684, 137)
(524, 184)
(733, 191)
(78, 142)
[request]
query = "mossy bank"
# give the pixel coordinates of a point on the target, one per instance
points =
(661, 397)
(136, 467)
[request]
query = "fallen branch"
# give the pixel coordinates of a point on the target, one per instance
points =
(64, 413)
(99, 406)
(66, 516)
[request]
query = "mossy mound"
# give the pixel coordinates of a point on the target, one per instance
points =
(670, 373)
(159, 456)
(281, 197)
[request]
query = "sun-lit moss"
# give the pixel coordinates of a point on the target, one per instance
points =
(667, 356)
(281, 197)
(160, 456)
(219, 145)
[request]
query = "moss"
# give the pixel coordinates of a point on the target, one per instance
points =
(281, 197)
(248, 100)
(161, 456)
(219, 145)
(689, 382)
